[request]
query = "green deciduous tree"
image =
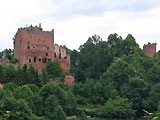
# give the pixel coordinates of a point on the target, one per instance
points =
(53, 110)
(15, 109)
(8, 73)
(118, 73)
(44, 76)
(117, 108)
(23, 92)
(54, 69)
(136, 91)
(152, 101)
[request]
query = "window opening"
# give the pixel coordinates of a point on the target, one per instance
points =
(39, 59)
(29, 60)
(54, 55)
(46, 54)
(35, 59)
(44, 60)
(59, 55)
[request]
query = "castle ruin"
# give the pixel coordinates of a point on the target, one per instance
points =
(150, 49)
(33, 46)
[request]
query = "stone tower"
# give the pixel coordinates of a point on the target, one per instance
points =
(150, 49)
(34, 46)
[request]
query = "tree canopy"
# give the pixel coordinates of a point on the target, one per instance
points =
(113, 79)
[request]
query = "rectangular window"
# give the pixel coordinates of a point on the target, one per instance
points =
(59, 55)
(46, 54)
(29, 60)
(35, 59)
(54, 55)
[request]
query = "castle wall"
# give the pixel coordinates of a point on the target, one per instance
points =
(69, 80)
(150, 49)
(36, 47)
(60, 54)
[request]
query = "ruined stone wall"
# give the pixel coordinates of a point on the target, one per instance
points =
(60, 54)
(150, 49)
(69, 80)
(35, 46)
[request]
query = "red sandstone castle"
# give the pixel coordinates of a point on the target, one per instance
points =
(34, 46)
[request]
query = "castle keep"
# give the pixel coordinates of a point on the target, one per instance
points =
(33, 46)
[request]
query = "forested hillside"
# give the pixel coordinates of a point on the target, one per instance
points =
(114, 79)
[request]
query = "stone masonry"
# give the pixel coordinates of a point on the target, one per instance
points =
(150, 49)
(34, 46)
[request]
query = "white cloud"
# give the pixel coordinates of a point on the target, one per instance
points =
(144, 26)
(76, 20)
(65, 8)
(17, 13)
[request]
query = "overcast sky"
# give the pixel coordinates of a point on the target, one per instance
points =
(76, 20)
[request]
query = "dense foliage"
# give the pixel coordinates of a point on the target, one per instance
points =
(113, 79)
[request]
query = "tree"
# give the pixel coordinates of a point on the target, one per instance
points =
(151, 102)
(129, 45)
(20, 75)
(37, 105)
(136, 91)
(8, 73)
(44, 76)
(34, 88)
(46, 90)
(115, 44)
(118, 73)
(66, 99)
(23, 92)
(8, 54)
(53, 110)
(87, 56)
(119, 108)
(59, 114)
(91, 91)
(110, 91)
(33, 77)
(54, 69)
(16, 109)
(103, 58)
(11, 86)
